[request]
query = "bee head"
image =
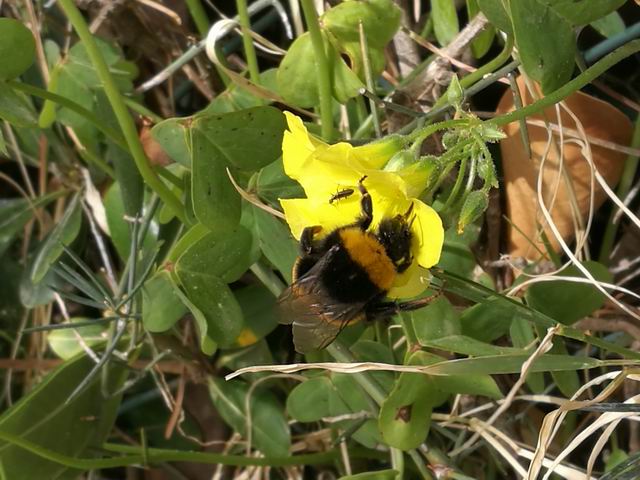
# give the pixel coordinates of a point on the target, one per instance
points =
(395, 236)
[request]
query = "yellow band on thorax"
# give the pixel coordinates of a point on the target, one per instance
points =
(368, 252)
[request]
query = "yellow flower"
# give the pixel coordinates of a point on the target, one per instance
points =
(323, 170)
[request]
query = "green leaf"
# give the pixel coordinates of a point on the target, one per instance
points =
(350, 398)
(17, 49)
(15, 108)
(297, 79)
(616, 457)
(223, 255)
(216, 203)
(247, 140)
(445, 385)
(172, 134)
(36, 294)
(258, 306)
(14, 215)
(609, 25)
(380, 21)
(568, 302)
(345, 84)
(79, 81)
(236, 98)
(488, 320)
(65, 343)
(276, 242)
(119, 228)
(582, 12)
(207, 343)
(161, 304)
(309, 400)
(474, 205)
(438, 319)
(482, 43)
(214, 300)
(546, 42)
(445, 20)
(567, 381)
(470, 346)
(269, 428)
(376, 475)
(493, 365)
(405, 415)
(63, 234)
(297, 74)
(456, 254)
(370, 351)
(497, 15)
(469, 384)
(523, 336)
(273, 184)
(76, 429)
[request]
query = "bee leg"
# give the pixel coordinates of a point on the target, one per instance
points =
(366, 206)
(306, 239)
(388, 309)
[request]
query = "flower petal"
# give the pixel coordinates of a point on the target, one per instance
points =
(410, 283)
(376, 154)
(297, 146)
(303, 212)
(428, 234)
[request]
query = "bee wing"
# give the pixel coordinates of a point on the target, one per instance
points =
(317, 318)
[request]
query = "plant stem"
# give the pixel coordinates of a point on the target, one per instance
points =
(626, 181)
(158, 455)
(568, 88)
(199, 16)
(324, 76)
(247, 41)
(120, 110)
(473, 77)
(364, 48)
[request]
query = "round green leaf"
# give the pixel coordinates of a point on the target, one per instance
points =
(436, 320)
(171, 134)
(488, 320)
(309, 400)
(297, 74)
(66, 343)
(546, 42)
(15, 107)
(380, 20)
(259, 312)
(161, 305)
(568, 302)
(221, 319)
(248, 139)
(226, 256)
(405, 416)
(17, 48)
(276, 242)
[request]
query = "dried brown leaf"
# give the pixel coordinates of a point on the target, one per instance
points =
(600, 121)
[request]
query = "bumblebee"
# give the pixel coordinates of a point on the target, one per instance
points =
(344, 276)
